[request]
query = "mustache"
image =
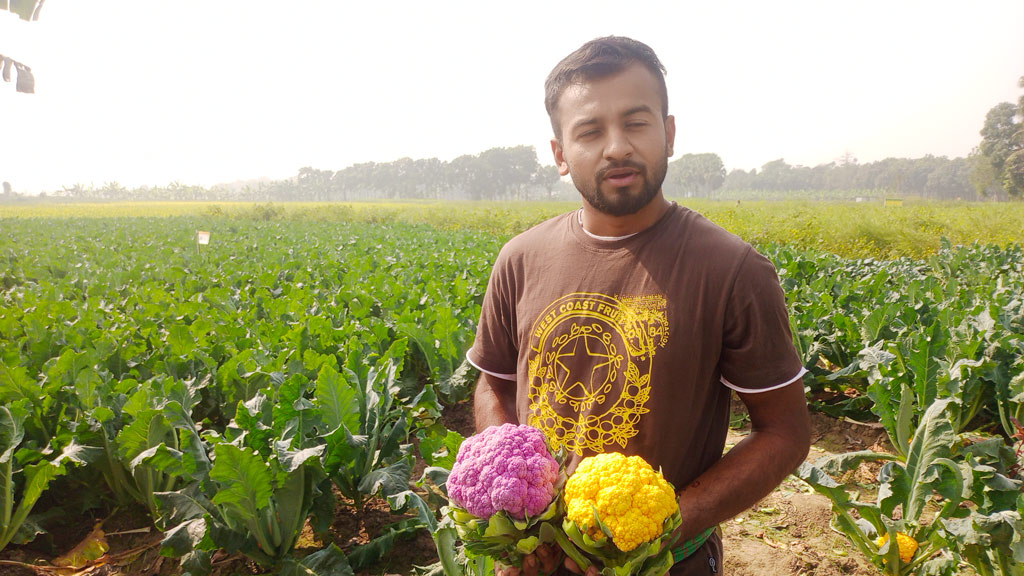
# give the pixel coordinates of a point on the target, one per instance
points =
(603, 172)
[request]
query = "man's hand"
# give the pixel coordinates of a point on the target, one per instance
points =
(573, 567)
(542, 562)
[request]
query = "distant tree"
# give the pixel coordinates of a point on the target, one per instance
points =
(469, 178)
(983, 175)
(739, 179)
(313, 184)
(7, 189)
(509, 170)
(430, 178)
(697, 174)
(111, 191)
(1002, 146)
(775, 175)
(949, 180)
(547, 178)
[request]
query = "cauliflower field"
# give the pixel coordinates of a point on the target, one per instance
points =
(241, 392)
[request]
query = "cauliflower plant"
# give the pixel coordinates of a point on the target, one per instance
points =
(906, 543)
(620, 511)
(502, 493)
(505, 467)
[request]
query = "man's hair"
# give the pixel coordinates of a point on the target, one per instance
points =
(600, 58)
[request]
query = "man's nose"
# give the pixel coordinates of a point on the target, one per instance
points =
(618, 146)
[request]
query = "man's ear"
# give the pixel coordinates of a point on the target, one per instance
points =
(556, 150)
(670, 135)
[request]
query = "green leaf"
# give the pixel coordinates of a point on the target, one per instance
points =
(29, 530)
(180, 340)
(894, 487)
(245, 481)
(839, 463)
(875, 356)
(391, 446)
(163, 459)
(292, 460)
(390, 480)
(15, 384)
(197, 563)
(458, 386)
(193, 453)
(338, 400)
(401, 501)
(440, 450)
(904, 418)
(330, 561)
(290, 409)
(37, 478)
(375, 550)
(183, 538)
(11, 430)
(79, 454)
(933, 439)
(293, 499)
(438, 476)
(322, 508)
(148, 430)
(182, 505)
(922, 362)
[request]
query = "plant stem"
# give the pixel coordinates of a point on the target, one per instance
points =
(8, 493)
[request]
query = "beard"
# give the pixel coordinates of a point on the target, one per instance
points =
(622, 201)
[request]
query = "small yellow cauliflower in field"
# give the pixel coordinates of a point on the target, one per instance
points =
(908, 546)
(630, 497)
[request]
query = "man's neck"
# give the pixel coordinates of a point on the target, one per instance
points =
(601, 224)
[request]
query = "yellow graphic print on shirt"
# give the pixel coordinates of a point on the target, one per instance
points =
(590, 368)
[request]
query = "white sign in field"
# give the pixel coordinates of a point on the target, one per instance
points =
(202, 237)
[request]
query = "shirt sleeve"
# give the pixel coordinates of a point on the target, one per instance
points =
(758, 354)
(495, 350)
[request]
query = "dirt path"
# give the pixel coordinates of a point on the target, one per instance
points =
(789, 533)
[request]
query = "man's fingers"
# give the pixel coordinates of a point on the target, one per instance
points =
(500, 570)
(530, 565)
(549, 557)
(572, 566)
(592, 571)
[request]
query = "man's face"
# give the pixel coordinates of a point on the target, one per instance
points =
(615, 143)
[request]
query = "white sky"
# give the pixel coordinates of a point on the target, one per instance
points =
(201, 92)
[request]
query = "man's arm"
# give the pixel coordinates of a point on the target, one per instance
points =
(779, 440)
(494, 402)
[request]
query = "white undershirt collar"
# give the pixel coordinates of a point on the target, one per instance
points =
(579, 217)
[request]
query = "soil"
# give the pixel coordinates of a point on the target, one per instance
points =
(787, 533)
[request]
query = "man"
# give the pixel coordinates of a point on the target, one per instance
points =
(625, 326)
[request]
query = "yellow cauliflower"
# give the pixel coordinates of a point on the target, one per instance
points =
(908, 546)
(630, 498)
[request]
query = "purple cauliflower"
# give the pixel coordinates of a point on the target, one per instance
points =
(505, 467)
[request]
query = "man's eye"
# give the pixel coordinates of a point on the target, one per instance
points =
(636, 124)
(588, 134)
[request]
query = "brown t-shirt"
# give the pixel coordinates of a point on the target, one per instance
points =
(631, 345)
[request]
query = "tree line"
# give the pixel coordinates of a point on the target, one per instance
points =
(993, 170)
(505, 174)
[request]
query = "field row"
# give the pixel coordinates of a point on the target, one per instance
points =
(849, 229)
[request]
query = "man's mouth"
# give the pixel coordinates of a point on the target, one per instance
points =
(621, 176)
